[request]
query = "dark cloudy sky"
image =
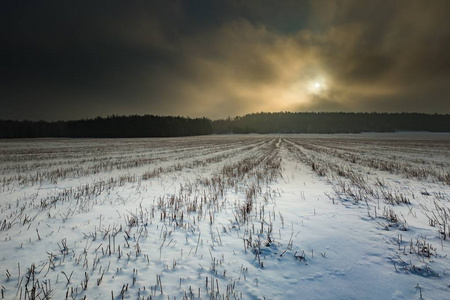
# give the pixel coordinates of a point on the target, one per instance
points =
(76, 59)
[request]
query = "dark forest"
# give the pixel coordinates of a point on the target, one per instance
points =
(281, 122)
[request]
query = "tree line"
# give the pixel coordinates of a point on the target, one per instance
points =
(109, 127)
(280, 122)
(332, 122)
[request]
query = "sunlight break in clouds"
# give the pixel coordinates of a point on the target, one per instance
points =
(222, 58)
(245, 68)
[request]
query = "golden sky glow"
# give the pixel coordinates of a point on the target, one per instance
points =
(223, 58)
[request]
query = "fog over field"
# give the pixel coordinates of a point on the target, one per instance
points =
(356, 216)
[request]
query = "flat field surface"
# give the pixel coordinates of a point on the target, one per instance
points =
(363, 216)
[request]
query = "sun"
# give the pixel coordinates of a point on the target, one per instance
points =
(316, 87)
(301, 91)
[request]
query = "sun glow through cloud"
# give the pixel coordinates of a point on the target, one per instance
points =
(238, 58)
(317, 86)
(299, 93)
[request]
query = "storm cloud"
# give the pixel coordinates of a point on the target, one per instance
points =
(78, 59)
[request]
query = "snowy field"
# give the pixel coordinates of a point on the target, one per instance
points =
(364, 216)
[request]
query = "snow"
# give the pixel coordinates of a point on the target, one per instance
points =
(360, 216)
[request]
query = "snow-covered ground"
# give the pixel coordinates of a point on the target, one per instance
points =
(362, 216)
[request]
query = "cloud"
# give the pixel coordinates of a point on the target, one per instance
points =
(386, 56)
(242, 66)
(216, 58)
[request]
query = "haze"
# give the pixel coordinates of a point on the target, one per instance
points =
(80, 59)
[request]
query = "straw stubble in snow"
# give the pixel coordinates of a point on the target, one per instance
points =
(226, 217)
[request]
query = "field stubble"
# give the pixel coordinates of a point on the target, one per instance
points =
(224, 217)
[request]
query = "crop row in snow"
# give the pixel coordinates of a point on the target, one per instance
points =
(224, 217)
